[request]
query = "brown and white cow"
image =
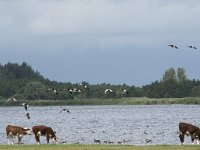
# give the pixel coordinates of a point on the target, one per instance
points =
(43, 131)
(18, 131)
(192, 130)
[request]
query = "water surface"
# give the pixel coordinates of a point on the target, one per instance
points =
(133, 123)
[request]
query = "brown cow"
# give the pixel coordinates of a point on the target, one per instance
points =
(192, 130)
(13, 131)
(43, 131)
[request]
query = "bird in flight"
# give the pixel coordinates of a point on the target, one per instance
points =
(25, 105)
(12, 99)
(191, 47)
(64, 109)
(108, 90)
(28, 115)
(173, 46)
(53, 90)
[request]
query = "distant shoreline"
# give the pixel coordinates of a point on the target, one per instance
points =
(122, 101)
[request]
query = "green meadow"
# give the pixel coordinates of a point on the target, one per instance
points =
(98, 147)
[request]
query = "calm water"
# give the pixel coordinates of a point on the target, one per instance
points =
(115, 123)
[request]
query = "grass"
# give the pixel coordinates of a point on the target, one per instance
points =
(121, 101)
(98, 147)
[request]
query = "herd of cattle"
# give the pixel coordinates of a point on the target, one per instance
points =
(13, 131)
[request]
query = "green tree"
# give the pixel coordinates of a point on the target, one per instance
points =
(34, 90)
(170, 74)
(181, 76)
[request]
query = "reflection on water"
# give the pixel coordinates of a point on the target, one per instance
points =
(135, 125)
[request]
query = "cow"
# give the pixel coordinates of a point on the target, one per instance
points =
(42, 130)
(192, 130)
(18, 131)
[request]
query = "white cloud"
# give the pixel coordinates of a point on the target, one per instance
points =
(113, 21)
(51, 33)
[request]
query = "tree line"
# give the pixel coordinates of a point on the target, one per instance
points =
(22, 82)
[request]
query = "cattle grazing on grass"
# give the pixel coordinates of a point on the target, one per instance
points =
(43, 131)
(18, 131)
(192, 130)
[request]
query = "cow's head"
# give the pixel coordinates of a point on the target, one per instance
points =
(52, 135)
(28, 131)
(196, 135)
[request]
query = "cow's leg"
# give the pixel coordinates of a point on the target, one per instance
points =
(192, 138)
(11, 140)
(198, 141)
(48, 137)
(37, 138)
(181, 136)
(19, 139)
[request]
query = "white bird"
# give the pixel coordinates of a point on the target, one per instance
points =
(125, 91)
(108, 90)
(12, 99)
(64, 109)
(53, 90)
(25, 105)
(74, 90)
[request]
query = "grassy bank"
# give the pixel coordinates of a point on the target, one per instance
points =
(122, 101)
(98, 147)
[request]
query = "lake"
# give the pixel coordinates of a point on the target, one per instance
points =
(136, 124)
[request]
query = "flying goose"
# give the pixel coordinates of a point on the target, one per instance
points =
(191, 47)
(173, 46)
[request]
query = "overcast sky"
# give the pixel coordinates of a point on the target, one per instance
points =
(101, 41)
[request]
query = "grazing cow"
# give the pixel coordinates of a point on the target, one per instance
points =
(192, 130)
(43, 131)
(13, 131)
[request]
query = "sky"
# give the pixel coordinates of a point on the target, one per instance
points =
(101, 41)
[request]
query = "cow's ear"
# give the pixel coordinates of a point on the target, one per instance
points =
(54, 132)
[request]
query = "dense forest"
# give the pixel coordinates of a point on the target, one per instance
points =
(20, 81)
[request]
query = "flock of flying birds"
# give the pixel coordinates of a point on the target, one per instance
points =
(174, 46)
(71, 91)
(26, 107)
